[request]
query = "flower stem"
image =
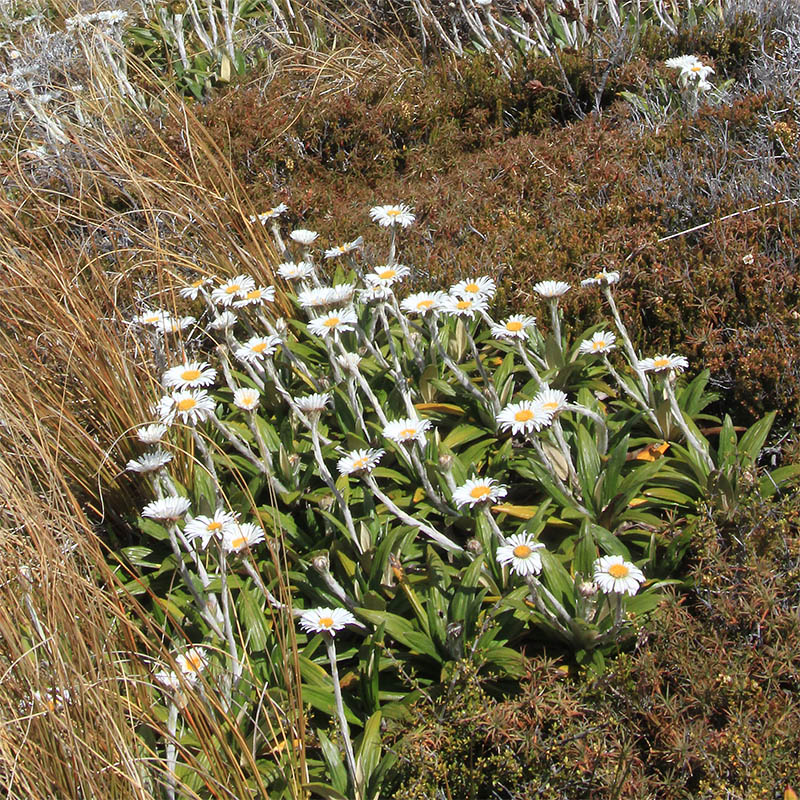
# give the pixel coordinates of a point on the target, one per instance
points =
(344, 728)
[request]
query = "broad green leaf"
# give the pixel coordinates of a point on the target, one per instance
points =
(753, 439)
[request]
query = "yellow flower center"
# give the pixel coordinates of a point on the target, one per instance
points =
(696, 68)
(360, 463)
(514, 326)
(551, 406)
(198, 283)
(194, 663)
(152, 318)
(259, 347)
(462, 304)
(618, 571)
(215, 525)
(255, 294)
(479, 492)
(599, 276)
(239, 541)
(660, 363)
(387, 274)
(472, 288)
(393, 212)
(187, 404)
(522, 551)
(326, 622)
(424, 304)
(599, 344)
(407, 433)
(233, 288)
(524, 415)
(190, 374)
(331, 322)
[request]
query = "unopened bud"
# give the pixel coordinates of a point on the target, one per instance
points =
(321, 563)
(587, 589)
(474, 546)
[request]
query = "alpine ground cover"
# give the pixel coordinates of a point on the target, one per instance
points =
(385, 497)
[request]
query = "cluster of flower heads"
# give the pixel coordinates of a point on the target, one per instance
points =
(692, 71)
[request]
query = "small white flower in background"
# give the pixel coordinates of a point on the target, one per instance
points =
(602, 278)
(240, 536)
(233, 289)
(223, 321)
(190, 375)
(325, 620)
(474, 288)
(168, 679)
(462, 306)
(375, 293)
(151, 434)
(422, 302)
(192, 291)
(601, 342)
(521, 553)
(256, 297)
(551, 289)
(192, 406)
(664, 362)
(341, 293)
(407, 430)
(478, 490)
(344, 249)
(553, 401)
(525, 416)
(387, 216)
(387, 275)
(169, 324)
(271, 213)
(207, 528)
(515, 327)
(614, 575)
(149, 462)
(167, 509)
(359, 461)
(303, 236)
(292, 271)
(257, 348)
(334, 323)
(691, 69)
(247, 399)
(53, 699)
(313, 403)
(349, 361)
(151, 317)
(191, 663)
(317, 297)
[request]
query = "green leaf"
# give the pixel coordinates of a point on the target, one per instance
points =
(753, 439)
(336, 768)
(322, 700)
(253, 619)
(369, 752)
(138, 556)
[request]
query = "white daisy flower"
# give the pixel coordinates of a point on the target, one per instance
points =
(602, 278)
(149, 462)
(223, 321)
(407, 430)
(614, 575)
(316, 297)
(240, 536)
(475, 287)
(462, 306)
(151, 434)
(388, 216)
(256, 297)
(168, 679)
(359, 460)
(207, 528)
(192, 291)
(233, 289)
(325, 620)
(167, 509)
(551, 289)
(343, 249)
(524, 417)
(601, 342)
(375, 293)
(257, 348)
(349, 361)
(343, 319)
(191, 406)
(303, 236)
(387, 275)
(553, 401)
(191, 663)
(521, 553)
(515, 327)
(682, 62)
(247, 399)
(478, 490)
(169, 324)
(313, 403)
(271, 213)
(292, 271)
(422, 302)
(664, 362)
(190, 375)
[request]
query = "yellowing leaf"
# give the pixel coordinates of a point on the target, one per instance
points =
(520, 512)
(418, 495)
(652, 451)
(444, 408)
(637, 501)
(789, 794)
